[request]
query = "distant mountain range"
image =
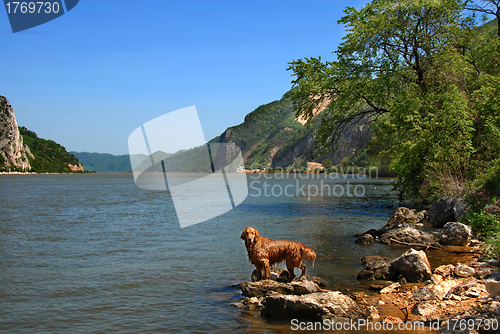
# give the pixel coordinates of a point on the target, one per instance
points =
(104, 162)
(269, 136)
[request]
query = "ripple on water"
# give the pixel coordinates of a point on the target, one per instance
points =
(94, 253)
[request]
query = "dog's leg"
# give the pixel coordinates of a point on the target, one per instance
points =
(268, 270)
(290, 267)
(303, 267)
(258, 269)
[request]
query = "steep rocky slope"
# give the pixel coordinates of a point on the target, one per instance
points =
(14, 153)
(272, 136)
(22, 150)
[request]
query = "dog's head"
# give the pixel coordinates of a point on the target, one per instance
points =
(250, 235)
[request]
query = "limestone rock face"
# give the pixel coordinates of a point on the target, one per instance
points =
(13, 152)
(76, 168)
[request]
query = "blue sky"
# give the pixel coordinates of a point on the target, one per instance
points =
(90, 77)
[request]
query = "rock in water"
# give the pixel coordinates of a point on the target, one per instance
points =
(302, 288)
(372, 313)
(391, 288)
(413, 265)
(408, 234)
(403, 215)
(264, 288)
(314, 306)
(365, 239)
(13, 152)
(424, 309)
(377, 268)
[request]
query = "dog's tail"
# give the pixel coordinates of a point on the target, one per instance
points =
(308, 255)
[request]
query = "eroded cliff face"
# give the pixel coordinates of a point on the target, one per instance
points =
(13, 152)
(355, 138)
(76, 168)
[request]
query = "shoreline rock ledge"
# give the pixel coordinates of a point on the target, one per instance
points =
(314, 306)
(411, 228)
(302, 299)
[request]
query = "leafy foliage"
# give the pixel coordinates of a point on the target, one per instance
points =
(50, 157)
(267, 131)
(483, 223)
(425, 78)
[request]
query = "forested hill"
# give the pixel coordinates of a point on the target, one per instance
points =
(21, 150)
(265, 131)
(270, 136)
(103, 162)
(49, 156)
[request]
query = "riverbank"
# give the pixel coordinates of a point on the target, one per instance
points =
(461, 292)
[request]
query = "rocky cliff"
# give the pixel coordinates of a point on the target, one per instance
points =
(355, 138)
(272, 136)
(14, 153)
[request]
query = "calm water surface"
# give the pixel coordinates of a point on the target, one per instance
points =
(96, 254)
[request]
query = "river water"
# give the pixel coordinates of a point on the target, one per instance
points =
(93, 253)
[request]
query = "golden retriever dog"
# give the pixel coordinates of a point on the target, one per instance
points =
(264, 253)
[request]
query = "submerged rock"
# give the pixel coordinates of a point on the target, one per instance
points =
(365, 239)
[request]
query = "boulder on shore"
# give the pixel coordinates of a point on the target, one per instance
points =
(314, 306)
(446, 209)
(304, 287)
(413, 265)
(264, 288)
(456, 234)
(269, 287)
(407, 234)
(404, 216)
(377, 268)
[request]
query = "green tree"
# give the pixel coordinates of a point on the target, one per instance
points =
(487, 7)
(326, 163)
(411, 69)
